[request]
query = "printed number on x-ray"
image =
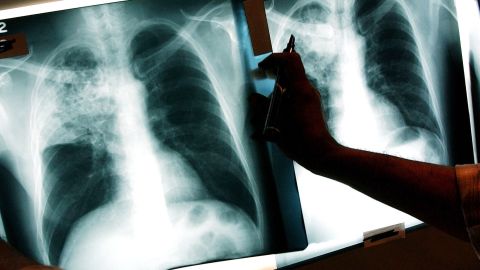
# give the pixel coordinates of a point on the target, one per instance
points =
(3, 28)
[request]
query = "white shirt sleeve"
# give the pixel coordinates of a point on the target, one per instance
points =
(468, 181)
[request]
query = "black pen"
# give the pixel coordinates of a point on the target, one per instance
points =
(271, 130)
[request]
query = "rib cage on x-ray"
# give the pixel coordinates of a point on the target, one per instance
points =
(394, 70)
(391, 65)
(136, 140)
(183, 115)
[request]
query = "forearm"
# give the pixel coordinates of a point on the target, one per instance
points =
(11, 258)
(426, 191)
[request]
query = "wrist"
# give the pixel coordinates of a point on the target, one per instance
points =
(320, 155)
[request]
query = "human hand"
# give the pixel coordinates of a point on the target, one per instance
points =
(304, 136)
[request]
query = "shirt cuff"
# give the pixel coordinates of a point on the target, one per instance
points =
(468, 181)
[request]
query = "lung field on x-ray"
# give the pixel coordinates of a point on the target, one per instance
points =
(79, 171)
(184, 114)
(394, 70)
(330, 34)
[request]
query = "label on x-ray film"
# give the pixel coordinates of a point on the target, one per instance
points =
(258, 26)
(384, 235)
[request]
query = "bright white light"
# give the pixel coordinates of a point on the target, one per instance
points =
(468, 22)
(254, 263)
(360, 124)
(50, 7)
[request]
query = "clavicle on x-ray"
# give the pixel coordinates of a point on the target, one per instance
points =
(125, 138)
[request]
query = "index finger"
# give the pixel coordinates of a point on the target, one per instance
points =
(288, 64)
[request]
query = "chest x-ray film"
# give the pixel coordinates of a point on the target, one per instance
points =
(391, 80)
(126, 145)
